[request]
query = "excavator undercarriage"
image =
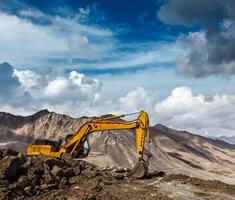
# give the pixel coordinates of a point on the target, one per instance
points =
(77, 145)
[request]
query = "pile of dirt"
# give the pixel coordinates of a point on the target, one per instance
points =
(41, 177)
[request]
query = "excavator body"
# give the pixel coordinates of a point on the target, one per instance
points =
(75, 145)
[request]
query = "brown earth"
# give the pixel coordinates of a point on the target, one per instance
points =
(47, 178)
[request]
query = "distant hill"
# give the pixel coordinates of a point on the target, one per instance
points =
(230, 139)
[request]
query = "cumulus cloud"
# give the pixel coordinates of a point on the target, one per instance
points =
(33, 91)
(211, 50)
(56, 87)
(75, 94)
(183, 110)
(136, 100)
(27, 78)
(72, 93)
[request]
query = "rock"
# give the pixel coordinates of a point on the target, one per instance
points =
(9, 152)
(9, 166)
(71, 198)
(77, 170)
(48, 176)
(64, 182)
(104, 168)
(1, 154)
(69, 173)
(119, 176)
(90, 197)
(71, 181)
(23, 170)
(120, 170)
(23, 181)
(35, 171)
(111, 168)
(82, 164)
(155, 174)
(22, 157)
(54, 162)
(28, 190)
(69, 160)
(57, 171)
(92, 174)
(97, 188)
(49, 186)
(4, 182)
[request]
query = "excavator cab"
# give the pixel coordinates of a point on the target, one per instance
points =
(56, 144)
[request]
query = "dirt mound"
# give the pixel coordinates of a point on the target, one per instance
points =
(41, 177)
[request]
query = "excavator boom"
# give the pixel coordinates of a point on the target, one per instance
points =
(74, 145)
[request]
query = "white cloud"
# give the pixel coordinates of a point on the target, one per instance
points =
(136, 100)
(26, 43)
(21, 41)
(56, 87)
(77, 95)
(27, 78)
(213, 115)
(70, 40)
(79, 46)
(204, 55)
(88, 86)
(153, 53)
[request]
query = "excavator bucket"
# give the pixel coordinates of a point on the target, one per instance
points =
(139, 171)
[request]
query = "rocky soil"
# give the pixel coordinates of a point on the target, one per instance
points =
(41, 177)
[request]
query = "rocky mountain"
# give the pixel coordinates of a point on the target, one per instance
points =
(174, 151)
(17, 131)
(228, 139)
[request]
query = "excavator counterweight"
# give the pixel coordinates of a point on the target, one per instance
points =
(75, 144)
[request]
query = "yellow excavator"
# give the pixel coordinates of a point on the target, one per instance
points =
(76, 145)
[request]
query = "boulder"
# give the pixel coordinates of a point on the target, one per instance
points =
(69, 173)
(48, 176)
(54, 162)
(9, 152)
(23, 181)
(57, 171)
(9, 166)
(77, 170)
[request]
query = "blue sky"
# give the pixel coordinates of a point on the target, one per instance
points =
(123, 55)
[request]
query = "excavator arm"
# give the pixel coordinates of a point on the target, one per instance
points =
(75, 144)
